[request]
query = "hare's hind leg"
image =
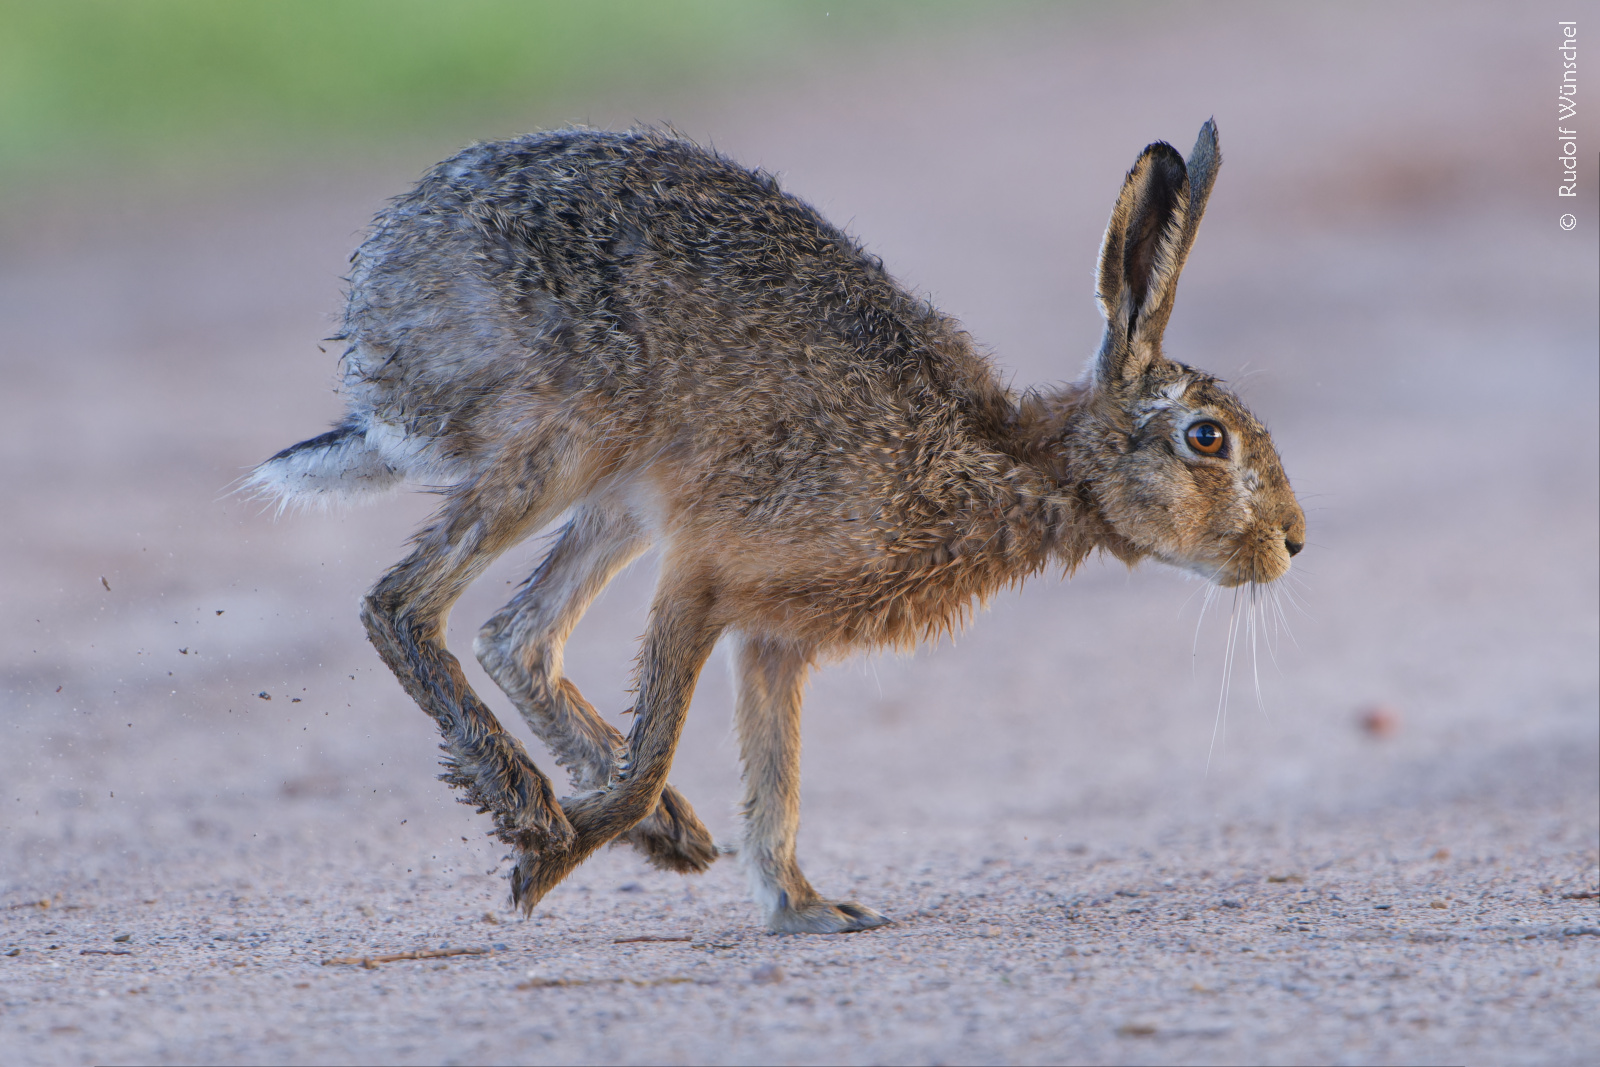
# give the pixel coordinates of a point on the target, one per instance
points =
(521, 647)
(771, 680)
(405, 615)
(680, 637)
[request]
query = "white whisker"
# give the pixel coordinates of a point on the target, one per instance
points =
(1220, 724)
(1194, 649)
(1255, 656)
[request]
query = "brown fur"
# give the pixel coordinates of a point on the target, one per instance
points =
(633, 330)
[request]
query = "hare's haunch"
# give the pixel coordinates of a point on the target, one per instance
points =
(634, 332)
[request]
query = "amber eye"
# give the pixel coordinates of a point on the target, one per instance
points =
(1205, 438)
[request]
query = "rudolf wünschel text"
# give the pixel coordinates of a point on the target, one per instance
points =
(1567, 110)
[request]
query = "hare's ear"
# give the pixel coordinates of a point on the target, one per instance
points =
(1146, 242)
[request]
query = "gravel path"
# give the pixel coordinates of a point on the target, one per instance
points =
(213, 789)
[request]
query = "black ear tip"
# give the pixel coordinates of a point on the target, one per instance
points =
(1160, 151)
(1162, 162)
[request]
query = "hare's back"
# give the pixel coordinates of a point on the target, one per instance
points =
(636, 264)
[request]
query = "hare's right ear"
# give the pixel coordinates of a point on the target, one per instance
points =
(1146, 243)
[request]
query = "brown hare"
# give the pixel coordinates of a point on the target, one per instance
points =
(633, 332)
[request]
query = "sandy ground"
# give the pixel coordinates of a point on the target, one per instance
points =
(1077, 873)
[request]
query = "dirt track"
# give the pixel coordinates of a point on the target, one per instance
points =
(1381, 271)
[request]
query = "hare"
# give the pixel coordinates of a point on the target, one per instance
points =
(632, 331)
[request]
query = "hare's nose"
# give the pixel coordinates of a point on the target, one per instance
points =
(1294, 547)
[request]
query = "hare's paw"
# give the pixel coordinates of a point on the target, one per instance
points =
(534, 875)
(673, 838)
(538, 822)
(497, 777)
(540, 870)
(823, 917)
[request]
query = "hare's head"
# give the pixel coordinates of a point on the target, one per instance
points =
(1178, 467)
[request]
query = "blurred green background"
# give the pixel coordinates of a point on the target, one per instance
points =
(173, 81)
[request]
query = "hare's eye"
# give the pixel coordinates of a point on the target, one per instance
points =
(1206, 438)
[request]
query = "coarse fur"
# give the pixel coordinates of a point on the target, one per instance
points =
(634, 332)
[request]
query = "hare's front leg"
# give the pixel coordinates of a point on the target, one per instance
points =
(771, 680)
(521, 647)
(404, 616)
(680, 637)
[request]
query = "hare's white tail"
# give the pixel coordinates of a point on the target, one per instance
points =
(357, 459)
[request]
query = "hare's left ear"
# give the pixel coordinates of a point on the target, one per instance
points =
(1146, 242)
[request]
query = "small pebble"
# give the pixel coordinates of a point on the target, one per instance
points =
(123, 937)
(767, 974)
(1379, 720)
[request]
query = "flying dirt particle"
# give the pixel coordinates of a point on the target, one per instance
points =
(183, 651)
(264, 695)
(105, 583)
(219, 613)
(1379, 720)
(58, 689)
(294, 700)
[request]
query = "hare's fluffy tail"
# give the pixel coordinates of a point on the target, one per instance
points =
(358, 459)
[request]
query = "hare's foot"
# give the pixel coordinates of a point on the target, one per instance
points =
(596, 817)
(536, 873)
(672, 837)
(499, 778)
(822, 917)
(539, 870)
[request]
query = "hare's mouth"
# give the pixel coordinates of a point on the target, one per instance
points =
(1248, 564)
(1256, 565)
